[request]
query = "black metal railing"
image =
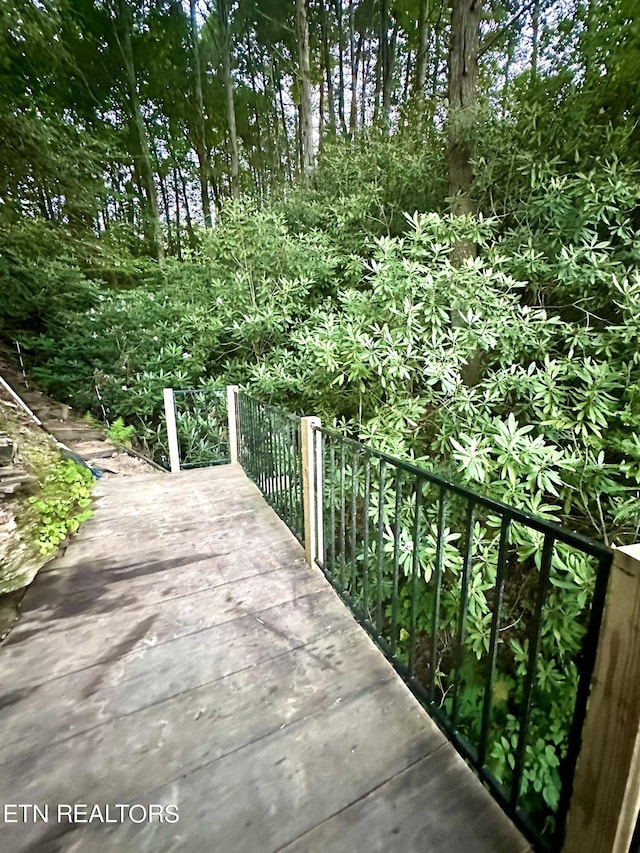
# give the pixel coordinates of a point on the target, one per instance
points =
(202, 427)
(490, 614)
(270, 451)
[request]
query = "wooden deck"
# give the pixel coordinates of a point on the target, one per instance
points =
(182, 653)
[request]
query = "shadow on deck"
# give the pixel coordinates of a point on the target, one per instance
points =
(181, 652)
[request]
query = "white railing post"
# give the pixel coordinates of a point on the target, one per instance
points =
(232, 416)
(606, 792)
(172, 431)
(312, 531)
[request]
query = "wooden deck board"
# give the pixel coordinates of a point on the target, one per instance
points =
(181, 652)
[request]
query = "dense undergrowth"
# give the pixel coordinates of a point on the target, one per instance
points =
(321, 304)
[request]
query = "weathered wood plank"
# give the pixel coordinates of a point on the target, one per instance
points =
(137, 635)
(267, 793)
(121, 686)
(156, 573)
(434, 805)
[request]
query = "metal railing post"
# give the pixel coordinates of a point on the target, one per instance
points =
(318, 491)
(309, 484)
(606, 792)
(172, 431)
(232, 416)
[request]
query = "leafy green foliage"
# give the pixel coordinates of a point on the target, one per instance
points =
(201, 422)
(62, 503)
(120, 433)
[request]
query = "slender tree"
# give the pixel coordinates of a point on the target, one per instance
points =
(424, 33)
(225, 48)
(202, 153)
(123, 26)
(328, 70)
(306, 116)
(463, 77)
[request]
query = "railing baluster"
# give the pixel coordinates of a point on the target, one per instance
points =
(279, 463)
(288, 481)
(267, 443)
(354, 511)
(415, 571)
(323, 497)
(437, 583)
(332, 508)
(365, 538)
(343, 522)
(534, 646)
(462, 617)
(494, 639)
(379, 554)
(396, 560)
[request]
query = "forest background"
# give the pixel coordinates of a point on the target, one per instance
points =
(417, 220)
(266, 192)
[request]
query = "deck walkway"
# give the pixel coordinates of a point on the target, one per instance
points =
(181, 652)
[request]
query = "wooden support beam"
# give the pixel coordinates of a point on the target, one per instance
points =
(232, 419)
(310, 504)
(172, 430)
(606, 793)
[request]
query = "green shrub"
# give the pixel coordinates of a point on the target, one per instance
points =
(62, 503)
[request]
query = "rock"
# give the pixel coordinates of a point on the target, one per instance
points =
(9, 486)
(7, 450)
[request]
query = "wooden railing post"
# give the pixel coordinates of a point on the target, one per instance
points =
(606, 791)
(232, 416)
(172, 431)
(312, 530)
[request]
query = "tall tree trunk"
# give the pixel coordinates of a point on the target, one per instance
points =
(42, 204)
(202, 152)
(187, 210)
(259, 156)
(234, 159)
(299, 149)
(272, 154)
(341, 48)
(278, 164)
(306, 125)
(535, 26)
(388, 73)
(176, 200)
(380, 60)
(424, 32)
(354, 60)
(407, 75)
(326, 54)
(142, 157)
(321, 117)
(437, 59)
(284, 128)
(163, 193)
(366, 68)
(463, 76)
